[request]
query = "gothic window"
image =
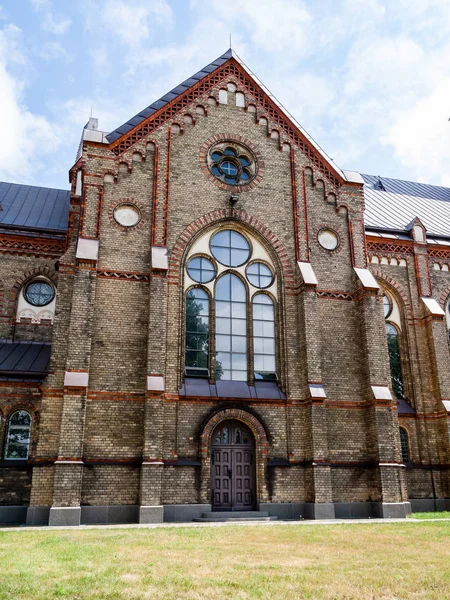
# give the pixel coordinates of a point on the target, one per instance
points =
(393, 328)
(18, 437)
(36, 301)
(404, 445)
(227, 284)
(197, 331)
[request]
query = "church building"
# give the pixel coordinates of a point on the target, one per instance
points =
(217, 321)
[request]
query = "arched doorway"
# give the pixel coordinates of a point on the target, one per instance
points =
(233, 467)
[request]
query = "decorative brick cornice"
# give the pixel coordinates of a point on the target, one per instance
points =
(123, 276)
(217, 217)
(230, 67)
(375, 247)
(26, 246)
(439, 252)
(335, 295)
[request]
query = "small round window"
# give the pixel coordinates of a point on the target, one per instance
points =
(259, 275)
(201, 269)
(39, 293)
(230, 248)
(328, 239)
(127, 215)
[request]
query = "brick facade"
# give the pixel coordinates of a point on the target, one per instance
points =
(113, 442)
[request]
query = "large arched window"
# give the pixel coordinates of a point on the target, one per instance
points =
(230, 277)
(18, 437)
(393, 328)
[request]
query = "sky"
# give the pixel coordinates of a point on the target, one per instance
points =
(369, 80)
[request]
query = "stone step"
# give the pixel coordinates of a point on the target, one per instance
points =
(233, 520)
(237, 514)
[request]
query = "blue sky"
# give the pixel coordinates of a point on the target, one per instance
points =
(368, 79)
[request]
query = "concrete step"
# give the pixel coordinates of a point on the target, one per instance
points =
(233, 520)
(237, 514)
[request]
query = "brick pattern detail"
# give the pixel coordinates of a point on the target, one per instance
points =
(24, 246)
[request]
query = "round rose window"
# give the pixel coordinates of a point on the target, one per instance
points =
(232, 163)
(127, 215)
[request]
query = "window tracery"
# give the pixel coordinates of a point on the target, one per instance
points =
(18, 437)
(225, 274)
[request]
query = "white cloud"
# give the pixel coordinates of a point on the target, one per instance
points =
(56, 24)
(133, 22)
(26, 137)
(272, 25)
(420, 136)
(52, 51)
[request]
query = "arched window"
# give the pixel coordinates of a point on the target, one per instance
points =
(18, 437)
(393, 324)
(36, 301)
(197, 331)
(230, 270)
(231, 328)
(404, 445)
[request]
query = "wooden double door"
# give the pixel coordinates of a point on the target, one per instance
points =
(233, 467)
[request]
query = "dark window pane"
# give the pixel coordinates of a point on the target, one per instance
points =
(404, 444)
(216, 155)
(395, 360)
(20, 418)
(197, 329)
(229, 152)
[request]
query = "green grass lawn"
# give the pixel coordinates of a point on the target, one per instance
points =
(350, 561)
(431, 515)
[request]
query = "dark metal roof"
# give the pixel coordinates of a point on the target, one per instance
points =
(33, 207)
(231, 389)
(391, 204)
(20, 359)
(114, 135)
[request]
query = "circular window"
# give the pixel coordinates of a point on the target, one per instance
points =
(328, 239)
(39, 293)
(232, 163)
(127, 215)
(259, 275)
(201, 269)
(230, 248)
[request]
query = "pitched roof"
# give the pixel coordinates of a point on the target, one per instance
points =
(391, 204)
(188, 83)
(33, 207)
(179, 89)
(24, 360)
